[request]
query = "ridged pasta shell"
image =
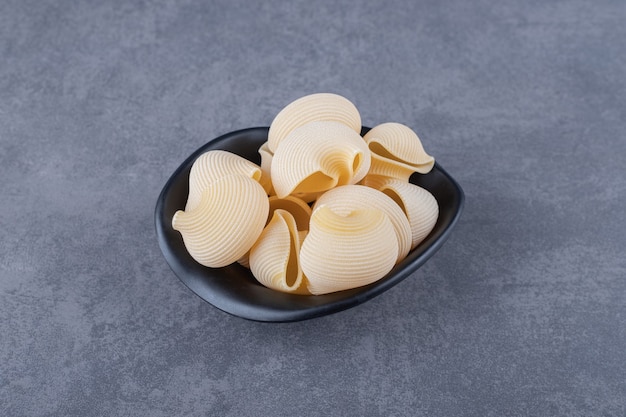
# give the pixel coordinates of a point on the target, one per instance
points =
(348, 198)
(317, 157)
(274, 258)
(226, 222)
(300, 210)
(213, 165)
(397, 151)
(419, 205)
(266, 178)
(344, 251)
(245, 259)
(313, 108)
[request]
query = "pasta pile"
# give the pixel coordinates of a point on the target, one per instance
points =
(327, 210)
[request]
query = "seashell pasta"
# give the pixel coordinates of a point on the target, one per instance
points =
(365, 237)
(274, 258)
(317, 157)
(214, 165)
(348, 198)
(397, 151)
(313, 108)
(418, 204)
(326, 210)
(226, 222)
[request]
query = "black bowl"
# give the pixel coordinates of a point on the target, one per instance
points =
(234, 290)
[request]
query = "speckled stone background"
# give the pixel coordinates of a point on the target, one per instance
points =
(521, 313)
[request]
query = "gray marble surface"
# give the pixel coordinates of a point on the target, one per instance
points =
(521, 313)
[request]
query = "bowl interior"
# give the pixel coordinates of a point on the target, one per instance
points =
(234, 290)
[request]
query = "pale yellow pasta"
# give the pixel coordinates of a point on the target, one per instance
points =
(343, 251)
(266, 178)
(226, 222)
(397, 151)
(366, 216)
(313, 108)
(245, 259)
(317, 157)
(300, 210)
(213, 165)
(274, 258)
(419, 205)
(348, 198)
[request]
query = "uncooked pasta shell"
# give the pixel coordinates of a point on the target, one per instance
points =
(313, 108)
(419, 205)
(343, 251)
(397, 151)
(274, 258)
(213, 165)
(226, 222)
(348, 198)
(299, 209)
(317, 157)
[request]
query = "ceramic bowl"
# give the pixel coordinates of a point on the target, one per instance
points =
(234, 290)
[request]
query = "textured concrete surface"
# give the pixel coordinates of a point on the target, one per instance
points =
(523, 310)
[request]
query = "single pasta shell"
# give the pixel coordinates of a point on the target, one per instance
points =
(300, 210)
(348, 198)
(419, 205)
(397, 151)
(226, 222)
(313, 108)
(317, 157)
(274, 258)
(245, 259)
(343, 251)
(213, 165)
